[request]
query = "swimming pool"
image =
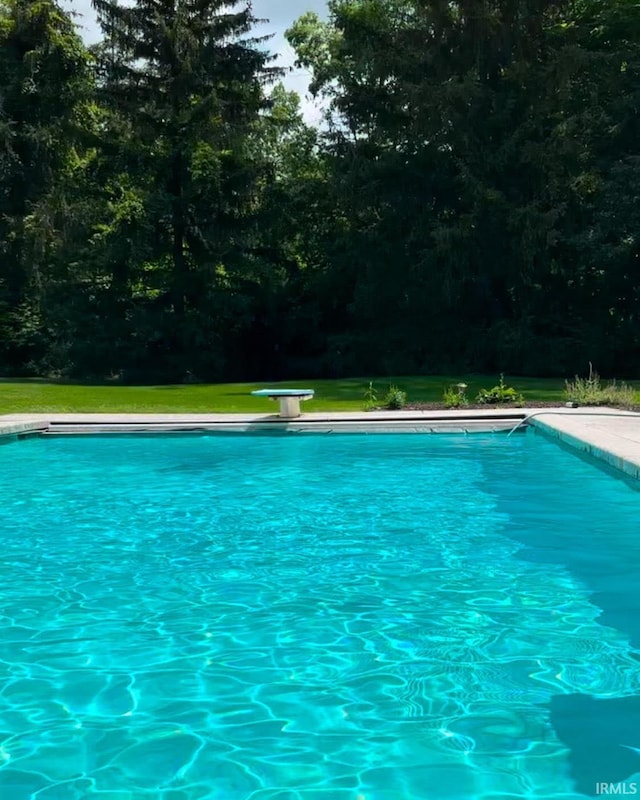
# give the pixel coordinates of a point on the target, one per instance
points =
(310, 617)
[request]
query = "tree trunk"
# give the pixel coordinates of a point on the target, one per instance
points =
(178, 223)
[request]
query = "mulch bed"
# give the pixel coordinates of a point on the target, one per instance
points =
(501, 407)
(482, 406)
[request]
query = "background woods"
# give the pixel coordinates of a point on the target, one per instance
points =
(470, 202)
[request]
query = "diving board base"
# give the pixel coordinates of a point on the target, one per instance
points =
(289, 399)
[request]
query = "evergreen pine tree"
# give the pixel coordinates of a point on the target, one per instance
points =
(187, 79)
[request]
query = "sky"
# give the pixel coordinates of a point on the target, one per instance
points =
(280, 13)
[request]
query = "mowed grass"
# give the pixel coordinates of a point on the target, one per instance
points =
(33, 396)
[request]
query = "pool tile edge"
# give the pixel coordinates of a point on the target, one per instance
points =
(18, 428)
(608, 437)
(606, 434)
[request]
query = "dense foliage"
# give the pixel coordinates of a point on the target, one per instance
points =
(469, 203)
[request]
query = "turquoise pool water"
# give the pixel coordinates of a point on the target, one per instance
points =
(307, 617)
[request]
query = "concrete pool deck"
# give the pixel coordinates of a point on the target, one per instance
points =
(609, 435)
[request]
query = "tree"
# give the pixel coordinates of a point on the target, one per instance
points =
(294, 228)
(188, 87)
(470, 200)
(597, 72)
(44, 86)
(464, 137)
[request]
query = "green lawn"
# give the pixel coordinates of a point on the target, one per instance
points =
(31, 396)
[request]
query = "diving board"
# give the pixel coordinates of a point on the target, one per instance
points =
(289, 399)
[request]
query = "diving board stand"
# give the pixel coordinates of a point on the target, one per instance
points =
(289, 399)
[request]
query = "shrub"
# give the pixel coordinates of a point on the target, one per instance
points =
(455, 396)
(499, 394)
(395, 398)
(370, 397)
(590, 392)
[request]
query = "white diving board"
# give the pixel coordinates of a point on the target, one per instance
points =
(289, 399)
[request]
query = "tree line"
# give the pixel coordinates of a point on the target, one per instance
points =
(470, 201)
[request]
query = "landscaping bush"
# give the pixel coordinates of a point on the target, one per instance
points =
(500, 394)
(370, 397)
(455, 396)
(590, 392)
(395, 398)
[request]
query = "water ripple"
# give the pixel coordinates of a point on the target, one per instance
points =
(305, 618)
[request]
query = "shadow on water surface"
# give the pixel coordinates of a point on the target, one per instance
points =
(568, 509)
(603, 736)
(583, 527)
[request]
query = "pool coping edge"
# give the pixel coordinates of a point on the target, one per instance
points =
(606, 434)
(598, 437)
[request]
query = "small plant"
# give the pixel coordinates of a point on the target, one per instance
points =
(455, 396)
(499, 394)
(590, 392)
(395, 398)
(370, 397)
